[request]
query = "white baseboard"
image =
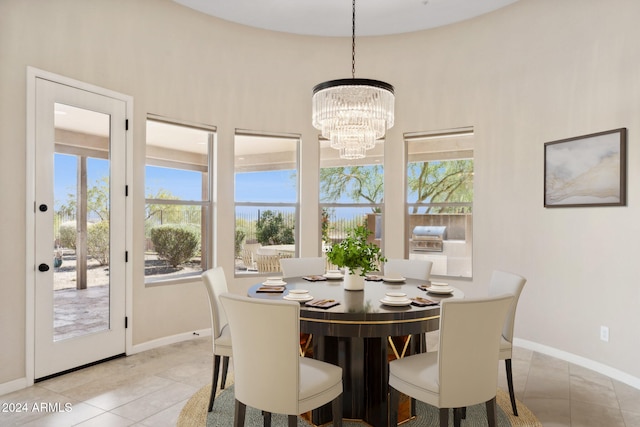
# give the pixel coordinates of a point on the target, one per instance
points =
(168, 340)
(580, 361)
(15, 385)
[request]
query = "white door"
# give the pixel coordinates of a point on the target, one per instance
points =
(80, 177)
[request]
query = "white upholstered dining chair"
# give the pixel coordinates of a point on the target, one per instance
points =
(296, 267)
(307, 266)
(269, 373)
(410, 268)
(464, 370)
(216, 284)
(503, 282)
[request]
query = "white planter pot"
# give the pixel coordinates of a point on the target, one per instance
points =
(353, 281)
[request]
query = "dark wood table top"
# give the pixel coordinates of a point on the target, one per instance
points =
(360, 313)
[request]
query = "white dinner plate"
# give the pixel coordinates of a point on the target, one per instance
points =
(334, 276)
(275, 284)
(292, 298)
(435, 290)
(396, 303)
(393, 279)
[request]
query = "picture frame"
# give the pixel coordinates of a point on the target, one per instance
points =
(588, 170)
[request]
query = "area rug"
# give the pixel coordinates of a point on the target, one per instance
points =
(194, 414)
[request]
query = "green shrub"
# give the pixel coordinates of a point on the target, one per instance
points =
(175, 244)
(271, 229)
(98, 242)
(68, 236)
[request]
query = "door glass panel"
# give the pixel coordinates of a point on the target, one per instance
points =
(81, 222)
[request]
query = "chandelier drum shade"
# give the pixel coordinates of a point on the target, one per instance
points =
(353, 113)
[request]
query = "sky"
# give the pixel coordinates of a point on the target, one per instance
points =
(264, 187)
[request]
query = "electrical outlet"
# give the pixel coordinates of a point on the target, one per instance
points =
(604, 333)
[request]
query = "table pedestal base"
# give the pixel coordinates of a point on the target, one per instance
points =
(365, 368)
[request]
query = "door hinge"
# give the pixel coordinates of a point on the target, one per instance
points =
(126, 256)
(126, 124)
(126, 322)
(126, 191)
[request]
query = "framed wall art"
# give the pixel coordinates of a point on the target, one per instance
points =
(587, 170)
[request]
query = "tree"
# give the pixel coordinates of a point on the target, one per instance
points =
(97, 200)
(441, 181)
(163, 213)
(355, 182)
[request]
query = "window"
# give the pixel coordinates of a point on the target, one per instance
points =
(351, 193)
(266, 201)
(440, 200)
(178, 209)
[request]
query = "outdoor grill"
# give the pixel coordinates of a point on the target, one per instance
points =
(428, 238)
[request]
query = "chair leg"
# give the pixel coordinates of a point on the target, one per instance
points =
(336, 411)
(492, 412)
(457, 417)
(394, 397)
(214, 381)
(238, 416)
(512, 395)
(293, 420)
(266, 419)
(225, 368)
(444, 417)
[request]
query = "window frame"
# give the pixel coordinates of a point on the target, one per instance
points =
(297, 138)
(378, 152)
(207, 206)
(410, 137)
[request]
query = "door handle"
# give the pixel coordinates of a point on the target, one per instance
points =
(43, 267)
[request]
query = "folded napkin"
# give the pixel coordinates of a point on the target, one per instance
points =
(322, 303)
(271, 289)
(314, 278)
(423, 287)
(423, 302)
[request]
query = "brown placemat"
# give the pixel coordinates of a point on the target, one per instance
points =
(314, 278)
(271, 289)
(322, 303)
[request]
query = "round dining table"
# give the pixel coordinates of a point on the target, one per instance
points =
(356, 331)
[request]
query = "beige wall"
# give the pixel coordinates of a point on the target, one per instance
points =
(536, 71)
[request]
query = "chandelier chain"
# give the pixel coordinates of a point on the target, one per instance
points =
(353, 41)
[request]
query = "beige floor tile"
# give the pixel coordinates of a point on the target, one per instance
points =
(155, 402)
(547, 384)
(599, 392)
(109, 394)
(165, 418)
(107, 419)
(550, 412)
(631, 419)
(628, 397)
(77, 414)
(592, 415)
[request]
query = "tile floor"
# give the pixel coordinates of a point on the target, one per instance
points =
(150, 389)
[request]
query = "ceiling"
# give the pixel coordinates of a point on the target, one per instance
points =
(333, 17)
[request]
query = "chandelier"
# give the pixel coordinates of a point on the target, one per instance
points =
(353, 113)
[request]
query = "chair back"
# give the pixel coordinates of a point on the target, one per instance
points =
(410, 268)
(501, 283)
(468, 353)
(266, 366)
(295, 267)
(216, 284)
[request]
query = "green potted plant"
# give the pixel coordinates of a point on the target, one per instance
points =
(357, 256)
